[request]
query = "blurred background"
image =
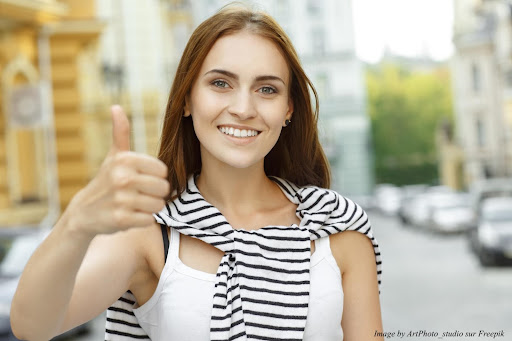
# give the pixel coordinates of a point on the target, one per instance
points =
(415, 118)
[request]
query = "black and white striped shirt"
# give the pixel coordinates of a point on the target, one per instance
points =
(262, 287)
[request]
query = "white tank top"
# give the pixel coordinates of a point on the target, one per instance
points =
(180, 308)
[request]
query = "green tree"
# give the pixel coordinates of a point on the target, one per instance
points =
(406, 108)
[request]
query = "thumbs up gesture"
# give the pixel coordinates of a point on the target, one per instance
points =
(127, 189)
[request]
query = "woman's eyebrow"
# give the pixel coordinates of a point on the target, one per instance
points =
(235, 76)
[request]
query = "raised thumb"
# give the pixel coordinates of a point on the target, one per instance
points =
(120, 129)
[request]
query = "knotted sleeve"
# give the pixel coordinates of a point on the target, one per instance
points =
(324, 212)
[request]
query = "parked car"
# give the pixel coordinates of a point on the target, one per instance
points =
(387, 198)
(419, 210)
(452, 213)
(488, 188)
(16, 247)
(492, 239)
(409, 192)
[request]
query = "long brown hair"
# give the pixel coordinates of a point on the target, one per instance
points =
(297, 155)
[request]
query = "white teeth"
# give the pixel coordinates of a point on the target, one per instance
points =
(237, 132)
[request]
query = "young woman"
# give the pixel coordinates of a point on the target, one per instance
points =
(259, 248)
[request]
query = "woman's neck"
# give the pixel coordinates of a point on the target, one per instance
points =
(244, 191)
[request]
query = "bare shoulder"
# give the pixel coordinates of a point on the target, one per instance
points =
(130, 250)
(150, 245)
(352, 249)
(355, 256)
(131, 241)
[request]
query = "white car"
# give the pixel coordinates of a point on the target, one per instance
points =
(452, 214)
(493, 236)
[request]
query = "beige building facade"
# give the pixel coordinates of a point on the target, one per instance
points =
(73, 59)
(482, 83)
(43, 154)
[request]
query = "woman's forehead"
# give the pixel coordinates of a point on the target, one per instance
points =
(247, 55)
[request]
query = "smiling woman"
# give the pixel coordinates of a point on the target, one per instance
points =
(259, 247)
(242, 85)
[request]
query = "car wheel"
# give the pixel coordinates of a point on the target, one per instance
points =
(486, 259)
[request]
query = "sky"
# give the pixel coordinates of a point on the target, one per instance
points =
(405, 27)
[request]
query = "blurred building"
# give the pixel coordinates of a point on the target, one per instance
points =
(322, 32)
(139, 52)
(45, 47)
(450, 157)
(482, 84)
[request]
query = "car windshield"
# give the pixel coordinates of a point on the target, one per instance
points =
(497, 214)
(15, 253)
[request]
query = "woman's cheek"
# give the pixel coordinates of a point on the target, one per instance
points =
(213, 101)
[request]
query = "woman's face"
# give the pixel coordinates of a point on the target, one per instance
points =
(240, 100)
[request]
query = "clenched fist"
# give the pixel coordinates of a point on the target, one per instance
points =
(128, 188)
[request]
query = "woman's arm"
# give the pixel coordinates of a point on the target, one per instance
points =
(86, 263)
(71, 279)
(354, 254)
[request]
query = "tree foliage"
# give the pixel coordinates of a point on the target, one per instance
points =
(406, 108)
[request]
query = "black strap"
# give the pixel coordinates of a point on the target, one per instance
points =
(165, 237)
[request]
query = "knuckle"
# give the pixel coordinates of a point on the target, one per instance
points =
(120, 199)
(122, 179)
(117, 198)
(120, 218)
(123, 157)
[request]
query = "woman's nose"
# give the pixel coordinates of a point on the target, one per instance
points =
(242, 105)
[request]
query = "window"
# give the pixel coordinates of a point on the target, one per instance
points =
(318, 41)
(315, 7)
(476, 77)
(480, 131)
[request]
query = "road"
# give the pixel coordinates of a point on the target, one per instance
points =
(430, 284)
(433, 283)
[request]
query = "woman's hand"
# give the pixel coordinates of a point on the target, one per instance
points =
(127, 189)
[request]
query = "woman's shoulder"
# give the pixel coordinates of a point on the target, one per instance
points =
(132, 246)
(148, 244)
(355, 243)
(350, 248)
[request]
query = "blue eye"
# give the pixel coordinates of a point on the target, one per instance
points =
(220, 84)
(268, 90)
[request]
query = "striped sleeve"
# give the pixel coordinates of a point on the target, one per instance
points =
(121, 323)
(324, 212)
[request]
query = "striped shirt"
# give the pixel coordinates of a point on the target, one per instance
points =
(263, 280)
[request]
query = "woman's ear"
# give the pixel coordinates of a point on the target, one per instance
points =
(289, 113)
(186, 109)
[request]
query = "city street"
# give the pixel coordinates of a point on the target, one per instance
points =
(431, 284)
(434, 283)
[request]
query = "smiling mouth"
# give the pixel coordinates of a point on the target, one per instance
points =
(240, 133)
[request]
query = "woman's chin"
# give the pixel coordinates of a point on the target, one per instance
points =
(240, 162)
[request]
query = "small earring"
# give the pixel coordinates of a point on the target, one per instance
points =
(287, 122)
